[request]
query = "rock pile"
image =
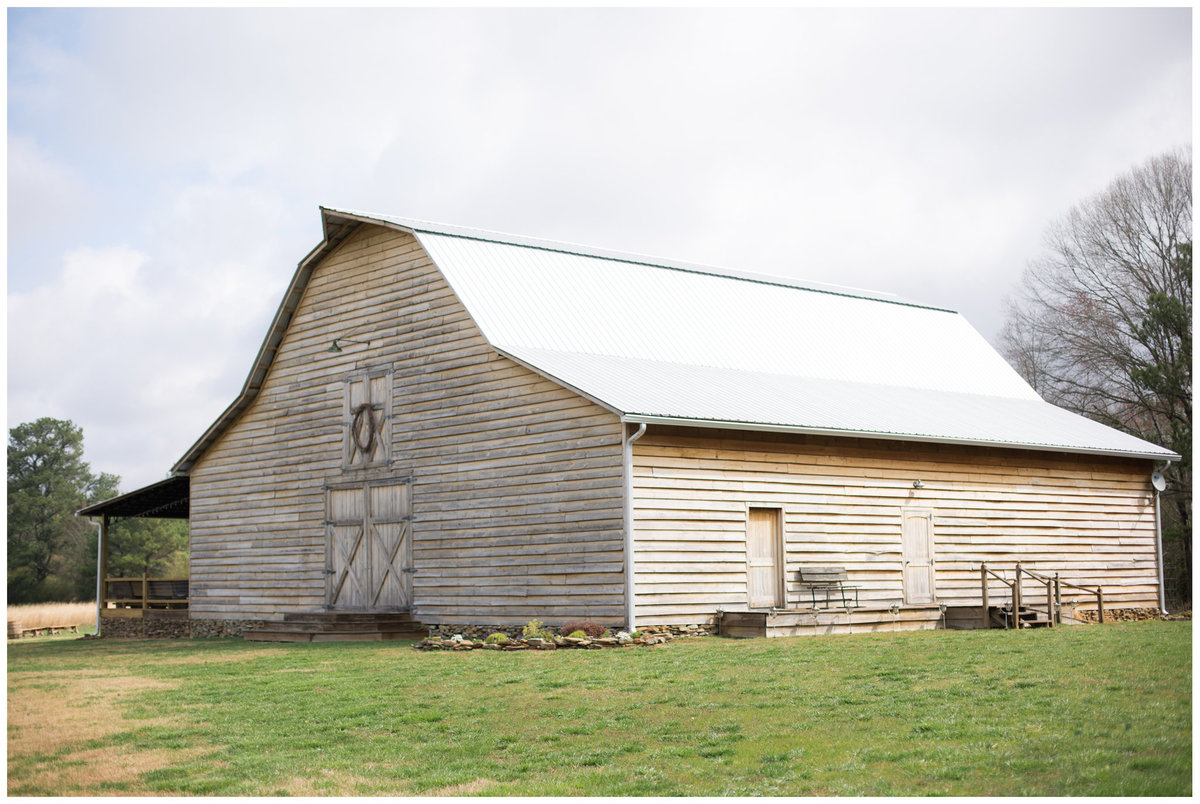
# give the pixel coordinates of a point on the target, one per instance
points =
(480, 632)
(459, 642)
(1119, 615)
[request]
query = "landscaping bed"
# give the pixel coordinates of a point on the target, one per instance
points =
(573, 635)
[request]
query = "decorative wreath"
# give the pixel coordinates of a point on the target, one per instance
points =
(371, 428)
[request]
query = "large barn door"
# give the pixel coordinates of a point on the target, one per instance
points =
(369, 547)
(763, 536)
(346, 550)
(917, 536)
(391, 546)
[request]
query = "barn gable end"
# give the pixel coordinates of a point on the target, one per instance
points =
(515, 482)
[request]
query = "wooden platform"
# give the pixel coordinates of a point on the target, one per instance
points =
(803, 622)
(339, 627)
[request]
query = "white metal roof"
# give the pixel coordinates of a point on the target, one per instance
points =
(657, 340)
(662, 341)
(656, 391)
(563, 302)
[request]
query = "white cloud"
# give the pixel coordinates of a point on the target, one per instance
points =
(42, 192)
(144, 351)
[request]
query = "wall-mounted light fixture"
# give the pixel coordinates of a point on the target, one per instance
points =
(917, 484)
(335, 347)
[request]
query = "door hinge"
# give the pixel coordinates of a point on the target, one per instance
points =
(409, 569)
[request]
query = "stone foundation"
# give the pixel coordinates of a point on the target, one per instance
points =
(151, 626)
(211, 629)
(170, 625)
(176, 625)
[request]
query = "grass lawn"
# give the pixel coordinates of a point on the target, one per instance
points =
(1097, 710)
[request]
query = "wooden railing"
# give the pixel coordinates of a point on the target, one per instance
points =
(146, 593)
(1017, 598)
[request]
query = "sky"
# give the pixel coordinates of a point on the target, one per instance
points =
(165, 167)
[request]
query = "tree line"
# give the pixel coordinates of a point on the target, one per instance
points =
(52, 552)
(1102, 326)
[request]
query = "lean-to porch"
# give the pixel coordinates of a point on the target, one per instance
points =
(120, 599)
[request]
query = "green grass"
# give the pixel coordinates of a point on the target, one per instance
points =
(1074, 711)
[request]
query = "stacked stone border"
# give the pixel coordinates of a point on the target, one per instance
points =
(471, 637)
(479, 632)
(1121, 615)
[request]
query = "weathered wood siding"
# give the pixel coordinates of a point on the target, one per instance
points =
(517, 483)
(1089, 518)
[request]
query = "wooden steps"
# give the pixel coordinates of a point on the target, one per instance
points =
(1026, 618)
(340, 626)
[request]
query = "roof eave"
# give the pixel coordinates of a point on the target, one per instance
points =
(595, 400)
(676, 421)
(101, 508)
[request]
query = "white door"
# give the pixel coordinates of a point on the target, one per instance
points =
(763, 537)
(917, 536)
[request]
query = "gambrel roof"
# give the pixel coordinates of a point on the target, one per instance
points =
(659, 341)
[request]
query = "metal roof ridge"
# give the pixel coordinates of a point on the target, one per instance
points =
(594, 252)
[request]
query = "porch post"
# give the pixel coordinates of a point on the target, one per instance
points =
(101, 568)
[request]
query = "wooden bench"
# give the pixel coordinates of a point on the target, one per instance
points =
(166, 593)
(121, 594)
(830, 581)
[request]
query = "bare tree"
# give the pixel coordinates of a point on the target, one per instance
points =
(1103, 323)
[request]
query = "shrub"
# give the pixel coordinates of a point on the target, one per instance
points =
(578, 635)
(594, 630)
(498, 638)
(536, 629)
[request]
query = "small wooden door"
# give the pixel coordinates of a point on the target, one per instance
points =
(917, 537)
(763, 554)
(369, 547)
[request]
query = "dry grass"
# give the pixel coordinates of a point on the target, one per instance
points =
(35, 615)
(53, 717)
(464, 789)
(57, 709)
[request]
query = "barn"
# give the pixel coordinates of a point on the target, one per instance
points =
(449, 428)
